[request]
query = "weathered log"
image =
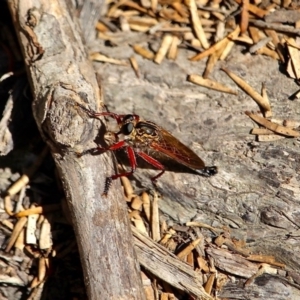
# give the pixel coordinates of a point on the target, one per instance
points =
(61, 75)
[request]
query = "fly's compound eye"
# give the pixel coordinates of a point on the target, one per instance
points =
(127, 128)
(128, 119)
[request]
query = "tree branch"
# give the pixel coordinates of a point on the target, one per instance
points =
(61, 75)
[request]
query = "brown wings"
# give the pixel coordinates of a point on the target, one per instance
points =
(173, 148)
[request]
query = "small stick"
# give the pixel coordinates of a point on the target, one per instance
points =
(188, 249)
(254, 9)
(244, 16)
(135, 66)
(42, 269)
(23, 181)
(136, 203)
(272, 126)
(103, 58)
(218, 45)
(45, 240)
(261, 131)
(209, 283)
(155, 219)
(276, 27)
(164, 47)
(173, 50)
(38, 210)
(205, 82)
(16, 232)
(269, 138)
(249, 90)
(268, 113)
(146, 205)
(197, 26)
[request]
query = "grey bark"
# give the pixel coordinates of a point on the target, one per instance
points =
(61, 75)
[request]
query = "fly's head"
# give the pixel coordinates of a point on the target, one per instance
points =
(127, 126)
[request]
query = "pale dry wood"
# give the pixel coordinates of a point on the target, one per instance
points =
(232, 263)
(38, 210)
(61, 75)
(205, 82)
(249, 90)
(272, 126)
(31, 228)
(166, 266)
(45, 240)
(143, 52)
(16, 232)
(22, 181)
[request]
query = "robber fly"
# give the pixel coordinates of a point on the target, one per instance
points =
(142, 137)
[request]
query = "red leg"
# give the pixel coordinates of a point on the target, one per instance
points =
(115, 146)
(133, 165)
(95, 114)
(152, 162)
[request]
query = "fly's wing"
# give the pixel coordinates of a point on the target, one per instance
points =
(173, 148)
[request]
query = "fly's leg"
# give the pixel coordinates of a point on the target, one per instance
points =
(99, 149)
(113, 147)
(154, 163)
(133, 165)
(95, 114)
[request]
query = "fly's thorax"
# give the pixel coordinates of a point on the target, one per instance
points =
(146, 131)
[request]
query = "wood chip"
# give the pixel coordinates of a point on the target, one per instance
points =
(249, 90)
(269, 138)
(136, 203)
(20, 241)
(164, 48)
(190, 259)
(268, 113)
(155, 229)
(244, 16)
(205, 82)
(128, 189)
(45, 239)
(42, 269)
(295, 58)
(139, 223)
(16, 232)
(173, 50)
(219, 45)
(202, 262)
(168, 235)
(182, 254)
(146, 205)
(254, 9)
(272, 126)
(103, 58)
(268, 259)
(210, 283)
(232, 263)
(38, 210)
(31, 228)
(143, 52)
(135, 66)
(261, 131)
(196, 23)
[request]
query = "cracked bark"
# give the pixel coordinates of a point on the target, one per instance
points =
(61, 75)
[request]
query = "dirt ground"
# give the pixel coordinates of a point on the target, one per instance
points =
(256, 190)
